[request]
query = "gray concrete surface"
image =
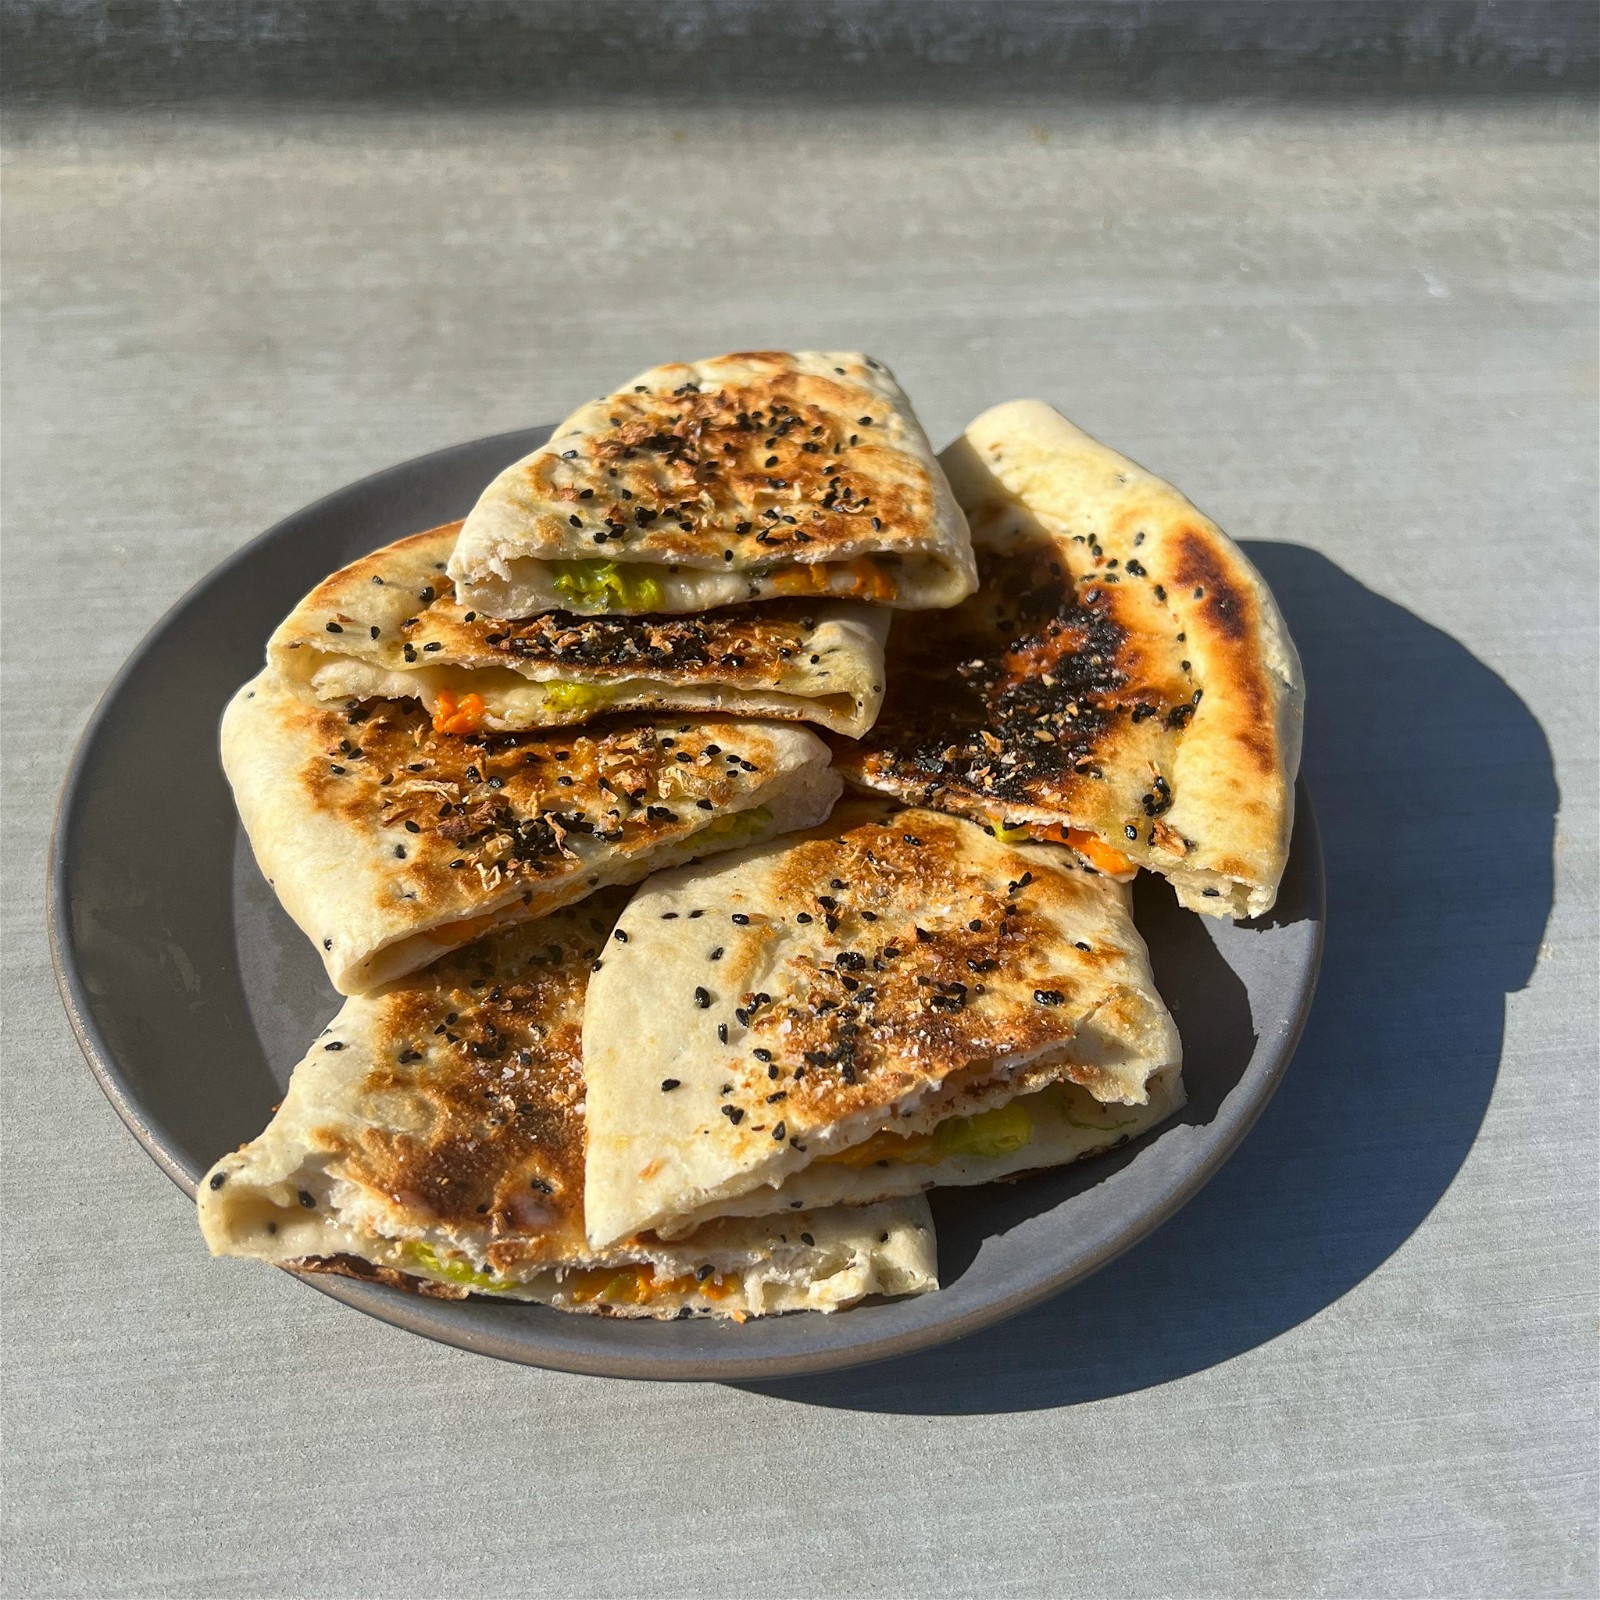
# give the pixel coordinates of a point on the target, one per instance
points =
(1363, 1361)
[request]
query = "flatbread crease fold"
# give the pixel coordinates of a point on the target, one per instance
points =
(889, 972)
(433, 1138)
(389, 843)
(702, 484)
(1122, 681)
(391, 624)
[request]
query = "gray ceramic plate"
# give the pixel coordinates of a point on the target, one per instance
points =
(192, 994)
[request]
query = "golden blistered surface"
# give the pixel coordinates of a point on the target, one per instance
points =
(484, 1049)
(516, 808)
(1030, 693)
(892, 953)
(782, 464)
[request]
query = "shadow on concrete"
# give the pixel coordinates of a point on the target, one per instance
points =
(1436, 794)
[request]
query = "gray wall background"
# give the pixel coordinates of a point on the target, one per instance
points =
(1331, 267)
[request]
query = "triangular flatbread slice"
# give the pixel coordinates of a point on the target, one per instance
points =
(1122, 681)
(389, 843)
(432, 1138)
(747, 477)
(879, 976)
(390, 624)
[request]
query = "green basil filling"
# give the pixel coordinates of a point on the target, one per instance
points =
(605, 586)
(425, 1256)
(739, 825)
(576, 696)
(999, 1132)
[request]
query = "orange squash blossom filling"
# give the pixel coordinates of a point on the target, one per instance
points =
(451, 715)
(636, 1285)
(1094, 850)
(461, 931)
(862, 580)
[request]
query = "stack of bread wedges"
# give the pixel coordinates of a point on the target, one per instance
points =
(723, 836)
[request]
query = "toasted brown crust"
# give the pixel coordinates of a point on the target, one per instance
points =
(757, 453)
(914, 996)
(433, 1140)
(391, 624)
(750, 644)
(502, 808)
(1171, 729)
(485, 1050)
(888, 965)
(389, 843)
(1048, 697)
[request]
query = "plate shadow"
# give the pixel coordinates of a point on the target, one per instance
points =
(1436, 796)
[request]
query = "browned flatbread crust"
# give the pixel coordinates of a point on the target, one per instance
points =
(390, 624)
(886, 971)
(390, 843)
(433, 1140)
(750, 475)
(1123, 670)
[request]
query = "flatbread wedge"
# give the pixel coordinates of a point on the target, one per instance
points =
(700, 484)
(1122, 682)
(390, 624)
(432, 1139)
(890, 975)
(389, 843)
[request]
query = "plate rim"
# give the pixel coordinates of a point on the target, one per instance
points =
(430, 1318)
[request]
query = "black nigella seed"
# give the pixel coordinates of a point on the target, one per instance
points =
(733, 1114)
(702, 997)
(669, 1084)
(333, 1044)
(1131, 831)
(802, 916)
(780, 1133)
(1211, 894)
(722, 1032)
(1048, 997)
(333, 627)
(306, 1200)
(762, 1055)
(866, 422)
(740, 918)
(218, 1179)
(716, 955)
(1078, 944)
(621, 936)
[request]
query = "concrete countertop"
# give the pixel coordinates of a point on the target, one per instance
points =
(1362, 335)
